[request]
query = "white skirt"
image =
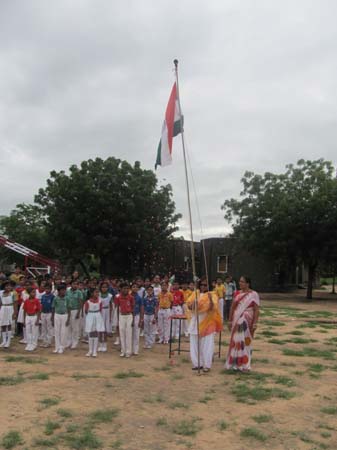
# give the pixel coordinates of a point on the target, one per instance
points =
(94, 322)
(106, 320)
(21, 314)
(6, 315)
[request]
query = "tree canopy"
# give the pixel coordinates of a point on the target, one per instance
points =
(110, 209)
(291, 216)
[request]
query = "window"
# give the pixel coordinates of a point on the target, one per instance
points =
(222, 264)
(186, 263)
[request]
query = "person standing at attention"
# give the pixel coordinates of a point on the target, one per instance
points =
(47, 299)
(32, 313)
(74, 306)
(8, 312)
(138, 318)
(150, 303)
(125, 304)
(165, 300)
(229, 293)
(210, 322)
(59, 319)
(243, 318)
(220, 292)
(177, 308)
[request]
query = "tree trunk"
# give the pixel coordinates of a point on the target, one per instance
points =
(84, 267)
(333, 284)
(311, 276)
(103, 264)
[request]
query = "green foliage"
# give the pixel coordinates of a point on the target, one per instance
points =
(222, 425)
(50, 401)
(103, 415)
(110, 209)
(50, 427)
(84, 440)
(11, 381)
(254, 433)
(129, 374)
(26, 225)
(262, 418)
(244, 393)
(161, 422)
(332, 410)
(11, 439)
(186, 428)
(290, 217)
(39, 376)
(26, 359)
(64, 413)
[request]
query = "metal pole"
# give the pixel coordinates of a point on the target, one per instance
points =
(189, 211)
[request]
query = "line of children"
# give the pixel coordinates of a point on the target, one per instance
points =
(69, 311)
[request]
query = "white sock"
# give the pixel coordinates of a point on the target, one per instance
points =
(4, 337)
(95, 345)
(91, 345)
(9, 337)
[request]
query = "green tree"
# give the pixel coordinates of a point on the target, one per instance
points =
(291, 217)
(26, 225)
(110, 209)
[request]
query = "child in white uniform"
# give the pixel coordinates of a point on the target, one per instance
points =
(94, 321)
(8, 308)
(106, 300)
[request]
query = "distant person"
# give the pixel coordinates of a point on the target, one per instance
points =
(59, 319)
(94, 324)
(243, 319)
(8, 312)
(177, 308)
(47, 331)
(150, 304)
(229, 294)
(106, 299)
(165, 300)
(74, 305)
(220, 292)
(15, 276)
(32, 313)
(138, 318)
(125, 304)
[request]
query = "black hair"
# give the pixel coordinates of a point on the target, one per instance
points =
(248, 280)
(123, 285)
(61, 286)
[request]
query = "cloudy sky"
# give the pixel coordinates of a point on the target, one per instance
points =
(82, 79)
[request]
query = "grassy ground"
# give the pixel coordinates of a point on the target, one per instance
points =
(288, 401)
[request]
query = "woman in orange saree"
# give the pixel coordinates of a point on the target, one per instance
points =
(209, 323)
(243, 320)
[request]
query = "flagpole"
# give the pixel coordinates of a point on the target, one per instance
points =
(189, 212)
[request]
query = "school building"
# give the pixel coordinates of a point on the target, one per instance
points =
(227, 255)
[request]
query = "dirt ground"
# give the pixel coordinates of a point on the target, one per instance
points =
(289, 401)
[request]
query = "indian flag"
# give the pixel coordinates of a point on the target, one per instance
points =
(171, 128)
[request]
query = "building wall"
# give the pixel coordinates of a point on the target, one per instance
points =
(264, 272)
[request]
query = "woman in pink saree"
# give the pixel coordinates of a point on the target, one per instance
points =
(243, 319)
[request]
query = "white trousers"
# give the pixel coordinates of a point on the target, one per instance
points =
(125, 333)
(46, 328)
(74, 329)
(206, 350)
(164, 324)
(149, 330)
(32, 330)
(60, 329)
(175, 324)
(135, 334)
